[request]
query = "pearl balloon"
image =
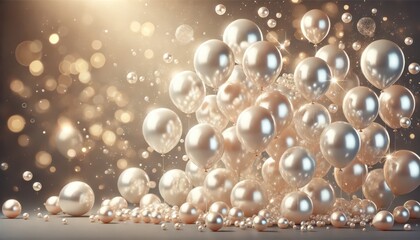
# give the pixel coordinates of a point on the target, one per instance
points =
(396, 102)
(220, 207)
(106, 214)
(148, 200)
(287, 139)
(76, 198)
(297, 166)
(360, 107)
(210, 113)
(235, 214)
(198, 197)
(296, 206)
(214, 221)
(339, 87)
(249, 196)
(337, 60)
(239, 35)
(339, 144)
(259, 223)
(351, 178)
(322, 195)
(188, 213)
(376, 189)
(367, 207)
(232, 99)
(382, 63)
(315, 25)
(283, 223)
(195, 174)
(402, 172)
(187, 91)
(312, 78)
(310, 120)
(383, 220)
(401, 214)
(374, 144)
(213, 62)
(338, 219)
(52, 205)
(11, 208)
(218, 185)
(414, 207)
(132, 184)
(271, 174)
(118, 203)
(174, 187)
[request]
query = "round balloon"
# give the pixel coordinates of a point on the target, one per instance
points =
(382, 63)
(249, 196)
(195, 174)
(312, 78)
(162, 129)
(351, 178)
(287, 139)
(262, 63)
(310, 120)
(255, 128)
(297, 166)
(232, 99)
(198, 197)
(213, 62)
(315, 25)
(339, 87)
(235, 155)
(296, 206)
(204, 145)
(337, 60)
(210, 113)
(218, 184)
(374, 144)
(339, 144)
(76, 198)
(174, 187)
(402, 172)
(238, 76)
(376, 189)
(395, 103)
(322, 195)
(132, 184)
(271, 174)
(239, 35)
(187, 91)
(360, 107)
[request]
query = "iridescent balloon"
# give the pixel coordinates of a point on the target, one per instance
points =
(198, 197)
(383, 220)
(401, 214)
(232, 99)
(402, 172)
(322, 195)
(262, 63)
(296, 206)
(204, 145)
(239, 35)
(220, 207)
(374, 144)
(310, 120)
(249, 196)
(395, 103)
(337, 60)
(255, 128)
(106, 214)
(360, 107)
(210, 113)
(382, 63)
(339, 144)
(213, 62)
(218, 185)
(338, 219)
(214, 221)
(414, 207)
(339, 87)
(162, 129)
(238, 76)
(76, 198)
(132, 184)
(312, 78)
(315, 25)
(297, 166)
(187, 91)
(351, 178)
(174, 187)
(188, 213)
(376, 189)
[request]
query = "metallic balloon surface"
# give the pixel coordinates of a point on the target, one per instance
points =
(312, 78)
(339, 87)
(52, 205)
(198, 197)
(360, 107)
(187, 91)
(402, 172)
(218, 184)
(339, 144)
(376, 189)
(188, 213)
(338, 219)
(249, 196)
(132, 184)
(195, 174)
(259, 223)
(374, 144)
(383, 220)
(337, 60)
(262, 63)
(235, 156)
(76, 198)
(204, 145)
(297, 166)
(106, 214)
(280, 107)
(271, 174)
(351, 178)
(395, 103)
(220, 207)
(414, 207)
(296, 206)
(401, 214)
(287, 139)
(255, 128)
(315, 25)
(11, 208)
(232, 99)
(148, 200)
(310, 120)
(162, 129)
(174, 187)
(322, 195)
(239, 35)
(238, 76)
(213, 62)
(214, 221)
(382, 63)
(210, 113)
(118, 203)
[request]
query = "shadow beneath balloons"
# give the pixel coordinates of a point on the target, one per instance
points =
(225, 230)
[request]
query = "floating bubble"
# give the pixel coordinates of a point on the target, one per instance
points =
(271, 23)
(278, 15)
(4, 166)
(356, 46)
(374, 10)
(414, 68)
(408, 41)
(405, 122)
(37, 186)
(27, 176)
(263, 12)
(132, 77)
(220, 9)
(366, 26)
(346, 17)
(167, 57)
(184, 34)
(16, 123)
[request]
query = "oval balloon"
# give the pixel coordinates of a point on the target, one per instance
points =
(337, 60)
(232, 99)
(218, 185)
(310, 120)
(402, 172)
(287, 139)
(360, 107)
(187, 91)
(271, 174)
(374, 144)
(249, 196)
(395, 103)
(322, 195)
(339, 87)
(297, 166)
(210, 113)
(315, 25)
(174, 187)
(351, 178)
(376, 189)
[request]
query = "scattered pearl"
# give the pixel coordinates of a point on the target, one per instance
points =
(407, 227)
(25, 216)
(164, 227)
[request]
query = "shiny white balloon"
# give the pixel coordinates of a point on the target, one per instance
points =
(187, 91)
(310, 120)
(337, 60)
(174, 187)
(297, 166)
(315, 25)
(209, 112)
(132, 184)
(76, 198)
(360, 107)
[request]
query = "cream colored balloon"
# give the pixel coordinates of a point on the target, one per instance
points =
(376, 189)
(232, 99)
(396, 102)
(351, 178)
(360, 107)
(297, 166)
(287, 139)
(338, 219)
(218, 184)
(11, 208)
(174, 187)
(401, 214)
(188, 213)
(383, 220)
(198, 197)
(339, 87)
(337, 59)
(133, 184)
(296, 206)
(235, 156)
(52, 205)
(414, 207)
(374, 144)
(322, 195)
(210, 113)
(76, 198)
(402, 172)
(148, 200)
(310, 120)
(271, 174)
(249, 196)
(315, 25)
(214, 221)
(106, 214)
(187, 91)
